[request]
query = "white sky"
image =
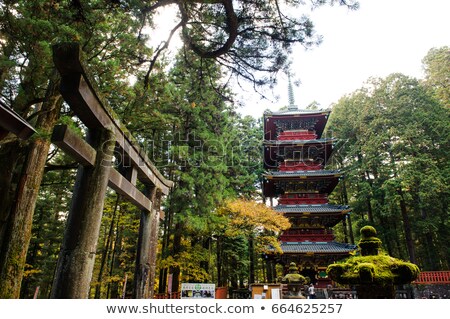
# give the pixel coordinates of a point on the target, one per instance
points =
(382, 37)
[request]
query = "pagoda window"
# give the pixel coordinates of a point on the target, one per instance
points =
(297, 155)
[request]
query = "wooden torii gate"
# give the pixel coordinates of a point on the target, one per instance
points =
(10, 121)
(106, 137)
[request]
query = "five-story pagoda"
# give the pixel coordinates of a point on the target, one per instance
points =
(295, 155)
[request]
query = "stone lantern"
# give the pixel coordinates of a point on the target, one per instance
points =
(373, 274)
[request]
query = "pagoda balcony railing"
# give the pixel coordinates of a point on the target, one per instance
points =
(303, 137)
(304, 196)
(433, 277)
(299, 166)
(302, 201)
(297, 135)
(307, 237)
(303, 231)
(306, 159)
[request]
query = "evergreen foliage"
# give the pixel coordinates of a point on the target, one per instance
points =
(395, 153)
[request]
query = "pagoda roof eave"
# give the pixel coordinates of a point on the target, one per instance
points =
(313, 209)
(300, 142)
(316, 248)
(302, 174)
(290, 112)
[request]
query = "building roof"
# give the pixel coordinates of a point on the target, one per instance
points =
(293, 110)
(316, 247)
(315, 208)
(317, 173)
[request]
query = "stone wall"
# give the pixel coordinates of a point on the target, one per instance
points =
(432, 291)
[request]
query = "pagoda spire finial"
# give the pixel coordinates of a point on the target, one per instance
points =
(291, 105)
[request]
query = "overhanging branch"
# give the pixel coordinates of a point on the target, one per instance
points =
(232, 30)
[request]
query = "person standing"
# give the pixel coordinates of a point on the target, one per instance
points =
(311, 292)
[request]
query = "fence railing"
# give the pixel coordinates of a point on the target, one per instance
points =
(173, 295)
(433, 277)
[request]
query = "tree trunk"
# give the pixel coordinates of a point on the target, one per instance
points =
(106, 249)
(263, 269)
(251, 252)
(165, 251)
(32, 253)
(407, 227)
(269, 271)
(344, 228)
(432, 254)
(219, 261)
(11, 158)
(369, 210)
(386, 236)
(405, 216)
(176, 251)
(113, 288)
(349, 220)
(400, 248)
(430, 250)
(350, 229)
(206, 244)
(233, 276)
(16, 237)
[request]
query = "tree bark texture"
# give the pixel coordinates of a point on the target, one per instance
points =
(106, 249)
(176, 250)
(407, 227)
(16, 230)
(251, 252)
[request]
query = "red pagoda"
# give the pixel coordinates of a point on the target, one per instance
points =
(295, 155)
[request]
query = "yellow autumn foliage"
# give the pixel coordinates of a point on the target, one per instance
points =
(249, 218)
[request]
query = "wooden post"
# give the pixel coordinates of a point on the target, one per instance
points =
(154, 243)
(36, 293)
(142, 270)
(124, 288)
(77, 256)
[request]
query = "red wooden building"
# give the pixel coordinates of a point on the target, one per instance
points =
(295, 156)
